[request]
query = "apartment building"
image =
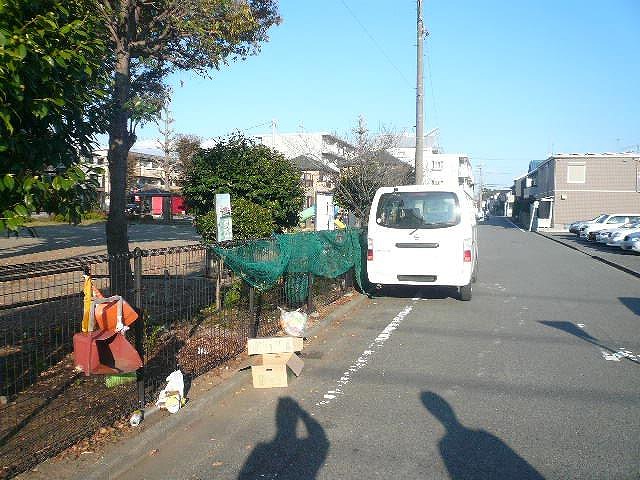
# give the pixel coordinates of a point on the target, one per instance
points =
(319, 146)
(574, 186)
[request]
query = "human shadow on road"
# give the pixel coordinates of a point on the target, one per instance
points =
(582, 334)
(631, 303)
(475, 454)
(287, 456)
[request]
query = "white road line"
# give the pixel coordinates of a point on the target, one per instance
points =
(363, 359)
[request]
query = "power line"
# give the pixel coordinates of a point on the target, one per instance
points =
(375, 42)
(507, 159)
(433, 96)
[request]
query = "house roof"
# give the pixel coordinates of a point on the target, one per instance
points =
(305, 163)
(382, 156)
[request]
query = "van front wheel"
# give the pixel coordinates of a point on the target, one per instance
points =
(465, 292)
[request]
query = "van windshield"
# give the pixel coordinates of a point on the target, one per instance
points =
(413, 210)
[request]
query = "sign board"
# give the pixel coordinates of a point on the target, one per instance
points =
(324, 211)
(223, 217)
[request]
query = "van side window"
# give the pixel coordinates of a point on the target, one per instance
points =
(412, 210)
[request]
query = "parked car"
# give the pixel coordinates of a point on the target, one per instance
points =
(613, 238)
(132, 209)
(630, 240)
(576, 226)
(609, 222)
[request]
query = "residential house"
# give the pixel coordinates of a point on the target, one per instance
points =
(574, 186)
(317, 177)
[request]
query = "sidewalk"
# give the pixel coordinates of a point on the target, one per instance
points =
(624, 260)
(111, 460)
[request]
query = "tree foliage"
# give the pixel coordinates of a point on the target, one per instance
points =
(186, 147)
(368, 168)
(148, 40)
(51, 73)
(248, 171)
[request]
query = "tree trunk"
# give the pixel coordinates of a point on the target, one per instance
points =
(120, 142)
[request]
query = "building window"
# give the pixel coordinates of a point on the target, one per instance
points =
(309, 202)
(438, 165)
(307, 180)
(576, 173)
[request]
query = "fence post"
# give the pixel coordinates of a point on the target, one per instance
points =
(218, 282)
(139, 324)
(348, 281)
(309, 294)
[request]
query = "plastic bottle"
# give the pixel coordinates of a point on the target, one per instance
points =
(136, 418)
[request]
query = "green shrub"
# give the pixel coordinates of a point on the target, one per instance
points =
(94, 215)
(206, 226)
(232, 295)
(249, 221)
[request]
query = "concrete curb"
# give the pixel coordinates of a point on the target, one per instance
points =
(595, 257)
(126, 455)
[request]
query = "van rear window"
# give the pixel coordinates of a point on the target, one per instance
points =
(418, 210)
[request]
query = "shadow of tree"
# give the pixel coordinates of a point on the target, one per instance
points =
(475, 454)
(55, 237)
(287, 456)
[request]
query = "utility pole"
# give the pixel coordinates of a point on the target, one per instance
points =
(273, 133)
(480, 182)
(419, 165)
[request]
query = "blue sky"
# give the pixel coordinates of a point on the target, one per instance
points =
(506, 81)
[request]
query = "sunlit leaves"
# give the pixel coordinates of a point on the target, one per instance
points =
(52, 74)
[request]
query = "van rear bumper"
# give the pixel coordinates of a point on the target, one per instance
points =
(453, 279)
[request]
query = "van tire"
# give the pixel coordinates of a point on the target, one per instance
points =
(465, 292)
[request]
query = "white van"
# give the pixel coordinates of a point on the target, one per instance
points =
(422, 235)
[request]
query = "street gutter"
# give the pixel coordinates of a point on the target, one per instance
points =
(595, 257)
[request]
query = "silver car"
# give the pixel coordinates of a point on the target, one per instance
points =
(630, 240)
(613, 238)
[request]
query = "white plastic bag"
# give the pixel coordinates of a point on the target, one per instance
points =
(172, 396)
(294, 322)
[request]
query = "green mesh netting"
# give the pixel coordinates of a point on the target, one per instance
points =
(326, 254)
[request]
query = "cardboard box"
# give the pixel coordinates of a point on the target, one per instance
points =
(257, 346)
(269, 376)
(271, 369)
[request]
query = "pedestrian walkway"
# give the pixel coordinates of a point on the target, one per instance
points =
(627, 261)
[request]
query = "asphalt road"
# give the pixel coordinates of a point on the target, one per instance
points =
(63, 241)
(537, 377)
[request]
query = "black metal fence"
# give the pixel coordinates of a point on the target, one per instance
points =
(194, 315)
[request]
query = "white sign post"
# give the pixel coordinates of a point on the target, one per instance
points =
(223, 217)
(324, 211)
